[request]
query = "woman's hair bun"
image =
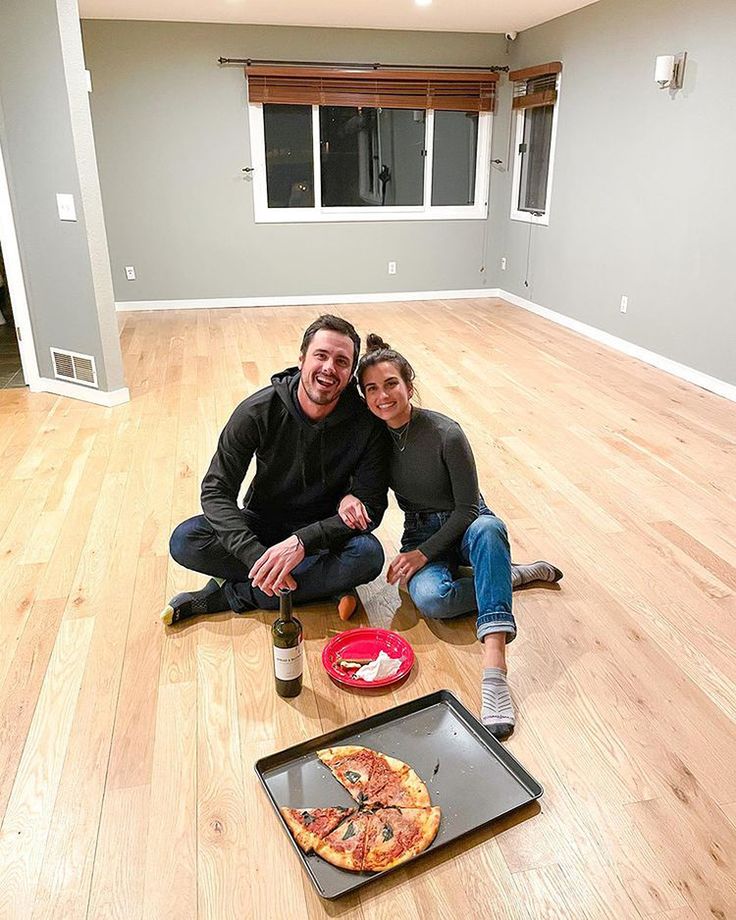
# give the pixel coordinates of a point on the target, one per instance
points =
(375, 343)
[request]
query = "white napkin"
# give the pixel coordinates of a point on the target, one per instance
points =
(380, 667)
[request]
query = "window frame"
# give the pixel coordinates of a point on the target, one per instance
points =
(319, 214)
(529, 217)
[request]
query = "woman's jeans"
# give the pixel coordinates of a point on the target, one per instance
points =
(437, 590)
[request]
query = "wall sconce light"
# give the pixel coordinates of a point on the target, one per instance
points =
(669, 70)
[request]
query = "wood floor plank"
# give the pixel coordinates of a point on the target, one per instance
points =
(27, 820)
(170, 891)
(222, 848)
(119, 871)
(21, 687)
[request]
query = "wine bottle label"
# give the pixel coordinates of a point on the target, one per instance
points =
(288, 662)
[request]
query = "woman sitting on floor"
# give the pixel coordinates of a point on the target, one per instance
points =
(446, 524)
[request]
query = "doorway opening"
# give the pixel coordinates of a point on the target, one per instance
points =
(11, 370)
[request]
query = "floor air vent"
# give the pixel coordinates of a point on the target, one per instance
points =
(69, 365)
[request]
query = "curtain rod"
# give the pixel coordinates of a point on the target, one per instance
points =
(374, 66)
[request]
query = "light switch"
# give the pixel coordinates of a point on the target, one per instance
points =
(65, 204)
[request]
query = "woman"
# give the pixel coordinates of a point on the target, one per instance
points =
(446, 524)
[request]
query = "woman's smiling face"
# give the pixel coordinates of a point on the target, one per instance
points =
(386, 393)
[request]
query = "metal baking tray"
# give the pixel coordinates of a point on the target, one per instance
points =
(468, 773)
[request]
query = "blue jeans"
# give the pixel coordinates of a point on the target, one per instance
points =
(438, 592)
(327, 574)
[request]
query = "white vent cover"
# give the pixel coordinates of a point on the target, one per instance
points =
(70, 365)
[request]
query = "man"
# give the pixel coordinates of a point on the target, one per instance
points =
(314, 441)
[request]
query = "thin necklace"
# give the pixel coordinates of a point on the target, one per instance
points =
(401, 435)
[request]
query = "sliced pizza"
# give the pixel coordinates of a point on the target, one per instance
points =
(310, 825)
(344, 847)
(392, 782)
(352, 766)
(396, 835)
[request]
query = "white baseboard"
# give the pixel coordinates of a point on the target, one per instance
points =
(75, 391)
(713, 384)
(299, 300)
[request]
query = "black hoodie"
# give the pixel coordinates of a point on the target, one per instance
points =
(303, 469)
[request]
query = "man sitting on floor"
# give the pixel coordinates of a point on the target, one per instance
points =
(314, 441)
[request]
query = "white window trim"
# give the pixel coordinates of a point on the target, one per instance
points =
(527, 216)
(265, 215)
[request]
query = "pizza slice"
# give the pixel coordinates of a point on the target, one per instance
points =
(396, 835)
(352, 766)
(393, 782)
(310, 825)
(344, 847)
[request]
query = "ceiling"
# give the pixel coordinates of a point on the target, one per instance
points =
(439, 16)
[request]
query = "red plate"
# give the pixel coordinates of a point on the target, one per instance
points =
(366, 642)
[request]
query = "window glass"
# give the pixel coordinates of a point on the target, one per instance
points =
(537, 141)
(371, 157)
(455, 154)
(289, 155)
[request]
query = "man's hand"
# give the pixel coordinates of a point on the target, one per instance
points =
(353, 513)
(405, 565)
(273, 570)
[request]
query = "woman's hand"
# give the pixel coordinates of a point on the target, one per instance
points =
(405, 566)
(353, 513)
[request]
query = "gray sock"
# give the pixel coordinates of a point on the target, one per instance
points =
(534, 571)
(497, 712)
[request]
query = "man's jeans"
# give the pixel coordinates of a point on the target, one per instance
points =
(440, 594)
(325, 575)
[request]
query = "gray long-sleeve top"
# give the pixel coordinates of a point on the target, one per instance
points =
(436, 472)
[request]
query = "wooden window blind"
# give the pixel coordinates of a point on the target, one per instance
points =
(535, 86)
(465, 91)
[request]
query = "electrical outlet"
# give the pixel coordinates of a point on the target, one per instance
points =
(392, 268)
(624, 303)
(503, 264)
(130, 272)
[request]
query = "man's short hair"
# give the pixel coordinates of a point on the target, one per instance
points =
(334, 324)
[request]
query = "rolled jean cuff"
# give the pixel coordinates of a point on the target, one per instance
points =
(494, 622)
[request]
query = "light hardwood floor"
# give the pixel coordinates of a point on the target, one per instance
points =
(126, 752)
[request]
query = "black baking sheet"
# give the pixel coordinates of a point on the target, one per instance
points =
(468, 773)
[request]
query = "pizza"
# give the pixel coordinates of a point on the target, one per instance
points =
(310, 825)
(392, 782)
(345, 846)
(394, 821)
(374, 778)
(351, 766)
(396, 835)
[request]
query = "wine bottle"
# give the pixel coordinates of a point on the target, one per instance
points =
(288, 664)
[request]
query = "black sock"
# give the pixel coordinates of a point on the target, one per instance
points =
(210, 599)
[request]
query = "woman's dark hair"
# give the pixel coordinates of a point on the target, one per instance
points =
(334, 324)
(378, 351)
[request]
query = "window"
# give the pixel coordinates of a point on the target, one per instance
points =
(327, 162)
(536, 92)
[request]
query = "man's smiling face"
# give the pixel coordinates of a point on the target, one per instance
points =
(326, 366)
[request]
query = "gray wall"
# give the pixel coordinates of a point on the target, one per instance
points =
(46, 137)
(172, 136)
(643, 197)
